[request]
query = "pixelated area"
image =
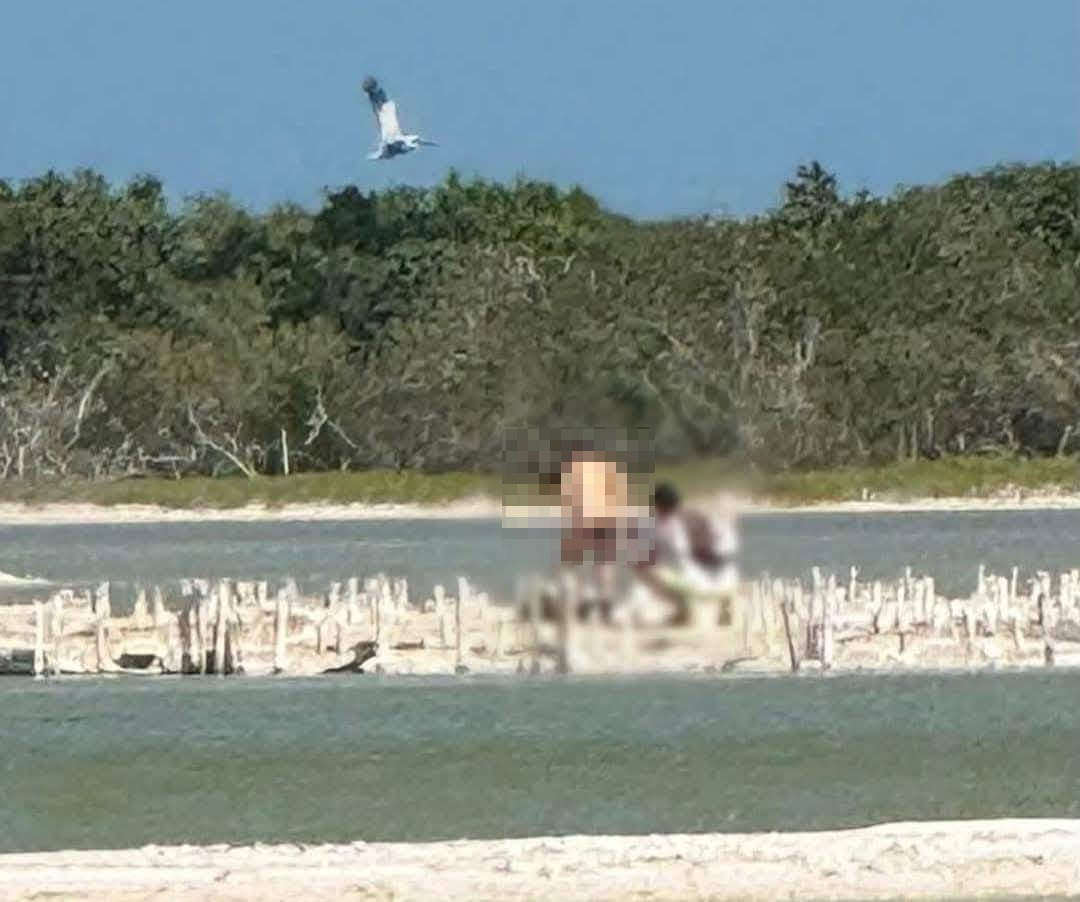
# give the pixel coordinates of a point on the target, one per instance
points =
(537, 463)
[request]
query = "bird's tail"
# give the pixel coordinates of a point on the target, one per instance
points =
(424, 142)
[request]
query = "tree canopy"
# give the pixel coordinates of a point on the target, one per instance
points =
(412, 328)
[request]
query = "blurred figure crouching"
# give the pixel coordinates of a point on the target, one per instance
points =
(691, 558)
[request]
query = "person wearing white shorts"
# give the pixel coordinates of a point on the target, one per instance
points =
(691, 559)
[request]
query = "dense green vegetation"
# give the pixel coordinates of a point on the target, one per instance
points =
(409, 330)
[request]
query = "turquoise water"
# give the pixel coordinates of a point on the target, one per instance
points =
(101, 763)
(946, 545)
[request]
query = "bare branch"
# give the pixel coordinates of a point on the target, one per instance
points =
(84, 403)
(203, 439)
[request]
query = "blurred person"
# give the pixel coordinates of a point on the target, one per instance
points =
(690, 557)
(595, 498)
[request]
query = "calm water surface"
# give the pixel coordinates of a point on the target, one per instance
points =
(946, 545)
(120, 763)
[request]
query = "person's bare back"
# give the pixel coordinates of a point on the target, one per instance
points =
(594, 502)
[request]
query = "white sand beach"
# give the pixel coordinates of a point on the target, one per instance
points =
(13, 514)
(81, 513)
(931, 860)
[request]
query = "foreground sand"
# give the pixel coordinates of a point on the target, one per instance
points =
(479, 508)
(969, 859)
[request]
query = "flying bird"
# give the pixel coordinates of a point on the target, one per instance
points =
(392, 143)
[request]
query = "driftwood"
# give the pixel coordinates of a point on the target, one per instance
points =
(231, 628)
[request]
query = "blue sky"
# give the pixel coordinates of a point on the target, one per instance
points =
(658, 108)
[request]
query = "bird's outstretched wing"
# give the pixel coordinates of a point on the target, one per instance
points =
(384, 108)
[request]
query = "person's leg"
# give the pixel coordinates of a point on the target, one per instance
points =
(713, 589)
(667, 584)
(572, 547)
(599, 545)
(572, 554)
(608, 579)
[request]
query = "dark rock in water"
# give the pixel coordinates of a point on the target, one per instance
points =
(16, 661)
(362, 652)
(137, 662)
(365, 651)
(461, 670)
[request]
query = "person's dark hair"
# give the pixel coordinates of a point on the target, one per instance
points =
(576, 450)
(665, 497)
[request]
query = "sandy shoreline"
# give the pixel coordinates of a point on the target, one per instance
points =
(12, 514)
(929, 860)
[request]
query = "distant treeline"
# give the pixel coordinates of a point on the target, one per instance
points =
(411, 328)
